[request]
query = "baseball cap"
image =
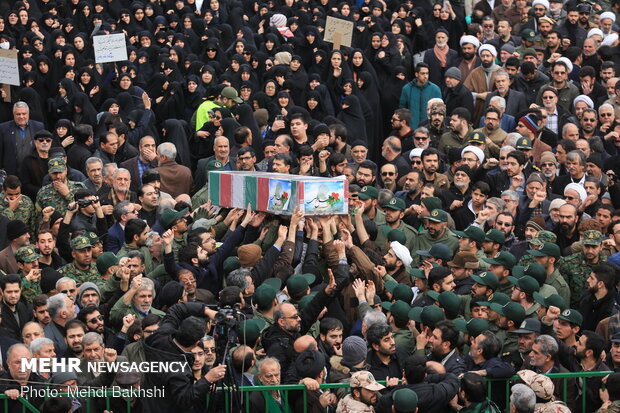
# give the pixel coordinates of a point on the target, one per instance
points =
(529, 325)
(524, 143)
(502, 258)
(297, 283)
(528, 284)
(536, 271)
(496, 236)
(396, 204)
(473, 327)
(264, 294)
(512, 311)
(477, 137)
(471, 232)
(486, 278)
(438, 215)
(554, 300)
(105, 261)
(79, 243)
(214, 165)
(497, 298)
(170, 216)
(365, 380)
(402, 292)
(572, 316)
(592, 237)
(615, 338)
(249, 330)
(429, 315)
(230, 92)
(548, 250)
(529, 35)
(399, 309)
(27, 254)
(405, 401)
(438, 250)
(368, 192)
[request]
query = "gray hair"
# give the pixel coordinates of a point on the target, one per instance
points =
(384, 196)
(512, 194)
(105, 169)
(37, 344)
(64, 280)
(548, 345)
(93, 160)
(56, 304)
(523, 398)
(512, 138)
(220, 137)
(207, 338)
(606, 105)
(91, 338)
(149, 238)
(373, 317)
(238, 278)
(120, 209)
(120, 170)
(147, 284)
(498, 202)
(393, 143)
(423, 130)
(577, 155)
(16, 346)
(501, 102)
(267, 360)
(22, 105)
(507, 148)
(167, 150)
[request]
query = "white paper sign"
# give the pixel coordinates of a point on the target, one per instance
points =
(110, 48)
(9, 69)
(344, 28)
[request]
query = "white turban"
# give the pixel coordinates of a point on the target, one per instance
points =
(594, 32)
(543, 3)
(415, 153)
(489, 48)
(584, 98)
(609, 39)
(475, 150)
(607, 15)
(568, 63)
(579, 189)
(470, 39)
(401, 252)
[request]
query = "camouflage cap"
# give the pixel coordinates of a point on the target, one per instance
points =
(81, 242)
(27, 254)
(542, 237)
(592, 237)
(542, 385)
(56, 165)
(365, 380)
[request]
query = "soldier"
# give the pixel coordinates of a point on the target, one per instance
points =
(511, 315)
(501, 266)
(577, 267)
(394, 213)
(527, 333)
(15, 205)
(398, 318)
(537, 272)
(82, 269)
(28, 263)
(60, 192)
(537, 243)
(548, 256)
(437, 231)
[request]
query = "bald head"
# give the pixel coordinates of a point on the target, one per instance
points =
(304, 343)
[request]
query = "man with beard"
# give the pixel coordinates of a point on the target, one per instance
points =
(436, 128)
(401, 121)
(526, 335)
(330, 335)
(177, 179)
(368, 195)
(480, 79)
(394, 214)
(149, 199)
(338, 139)
(460, 190)
(598, 302)
(491, 131)
(136, 232)
(384, 359)
(530, 80)
(455, 94)
(34, 165)
(83, 268)
(437, 231)
(547, 255)
(60, 192)
(416, 94)
(411, 189)
(398, 318)
(443, 347)
(566, 229)
(359, 152)
(566, 91)
(391, 152)
(576, 167)
(366, 173)
(512, 178)
(389, 176)
(364, 393)
(430, 163)
(577, 267)
(469, 55)
(396, 261)
(515, 100)
(138, 301)
(460, 130)
(548, 167)
(439, 58)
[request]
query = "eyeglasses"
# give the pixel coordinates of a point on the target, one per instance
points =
(539, 9)
(95, 319)
(149, 331)
(416, 162)
(293, 317)
(548, 97)
(503, 158)
(548, 164)
(68, 291)
(270, 87)
(584, 13)
(555, 72)
(606, 114)
(394, 118)
(388, 173)
(268, 64)
(569, 198)
(44, 139)
(504, 224)
(211, 50)
(247, 52)
(588, 119)
(487, 26)
(210, 350)
(420, 138)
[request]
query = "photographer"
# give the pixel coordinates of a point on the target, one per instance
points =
(180, 331)
(89, 214)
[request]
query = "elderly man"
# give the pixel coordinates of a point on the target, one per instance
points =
(175, 179)
(17, 135)
(145, 160)
(138, 300)
(515, 100)
(269, 375)
(16, 377)
(61, 310)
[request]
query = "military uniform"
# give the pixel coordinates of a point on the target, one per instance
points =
(425, 241)
(410, 234)
(559, 283)
(81, 276)
(403, 339)
(48, 196)
(29, 289)
(24, 212)
(379, 217)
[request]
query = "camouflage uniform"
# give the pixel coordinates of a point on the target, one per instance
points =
(29, 289)
(81, 276)
(48, 196)
(575, 270)
(24, 212)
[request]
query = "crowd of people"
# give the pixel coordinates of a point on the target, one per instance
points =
(480, 141)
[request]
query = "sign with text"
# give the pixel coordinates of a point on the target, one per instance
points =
(9, 68)
(338, 31)
(110, 48)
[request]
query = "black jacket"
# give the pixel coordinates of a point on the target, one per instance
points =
(458, 97)
(394, 369)
(181, 390)
(278, 343)
(10, 323)
(594, 310)
(434, 394)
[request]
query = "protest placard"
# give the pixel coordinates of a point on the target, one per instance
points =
(9, 68)
(110, 48)
(339, 32)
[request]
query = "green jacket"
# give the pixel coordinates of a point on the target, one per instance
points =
(121, 309)
(403, 338)
(425, 242)
(559, 283)
(410, 234)
(148, 258)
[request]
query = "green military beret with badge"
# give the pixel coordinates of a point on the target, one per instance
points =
(396, 204)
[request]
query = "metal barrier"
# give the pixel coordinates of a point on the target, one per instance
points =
(246, 391)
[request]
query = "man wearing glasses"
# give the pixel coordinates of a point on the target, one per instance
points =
(566, 92)
(32, 169)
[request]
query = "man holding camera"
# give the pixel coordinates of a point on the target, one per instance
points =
(86, 213)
